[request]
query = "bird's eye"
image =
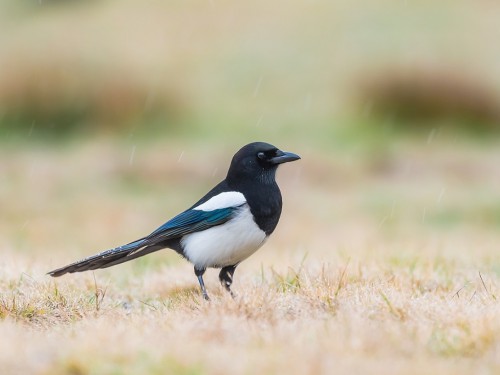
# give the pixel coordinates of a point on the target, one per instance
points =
(267, 155)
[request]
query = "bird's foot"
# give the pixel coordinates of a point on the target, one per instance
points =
(205, 296)
(227, 286)
(226, 278)
(199, 275)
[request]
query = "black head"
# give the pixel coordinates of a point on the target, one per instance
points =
(258, 160)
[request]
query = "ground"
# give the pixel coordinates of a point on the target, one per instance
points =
(117, 115)
(385, 261)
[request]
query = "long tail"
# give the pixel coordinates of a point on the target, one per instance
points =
(108, 258)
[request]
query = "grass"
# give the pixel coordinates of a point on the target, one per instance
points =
(287, 67)
(376, 315)
(386, 256)
(355, 279)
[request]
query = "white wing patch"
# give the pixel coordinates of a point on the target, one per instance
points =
(222, 200)
(226, 244)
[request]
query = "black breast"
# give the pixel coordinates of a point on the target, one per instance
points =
(262, 194)
(265, 204)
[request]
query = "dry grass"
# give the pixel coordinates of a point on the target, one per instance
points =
(370, 274)
(256, 64)
(386, 259)
(348, 317)
(426, 95)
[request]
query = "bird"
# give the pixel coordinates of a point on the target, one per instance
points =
(222, 229)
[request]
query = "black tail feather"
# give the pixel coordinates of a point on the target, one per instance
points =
(108, 258)
(146, 250)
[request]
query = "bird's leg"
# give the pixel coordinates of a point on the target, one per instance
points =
(199, 275)
(226, 278)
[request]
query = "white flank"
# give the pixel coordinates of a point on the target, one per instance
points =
(223, 200)
(224, 245)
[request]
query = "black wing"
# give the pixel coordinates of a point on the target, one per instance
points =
(189, 221)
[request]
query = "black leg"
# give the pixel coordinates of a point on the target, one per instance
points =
(199, 275)
(226, 278)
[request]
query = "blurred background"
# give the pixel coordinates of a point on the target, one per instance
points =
(115, 115)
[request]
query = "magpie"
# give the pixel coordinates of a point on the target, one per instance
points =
(226, 226)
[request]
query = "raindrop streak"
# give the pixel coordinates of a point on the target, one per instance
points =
(257, 87)
(392, 209)
(259, 121)
(214, 172)
(25, 224)
(31, 129)
(150, 99)
(132, 154)
(384, 219)
(180, 157)
(441, 194)
(307, 105)
(431, 135)
(424, 213)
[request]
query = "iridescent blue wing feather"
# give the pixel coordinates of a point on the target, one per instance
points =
(190, 221)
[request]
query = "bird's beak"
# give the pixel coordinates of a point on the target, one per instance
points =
(284, 157)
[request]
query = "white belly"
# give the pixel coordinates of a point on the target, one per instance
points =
(224, 245)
